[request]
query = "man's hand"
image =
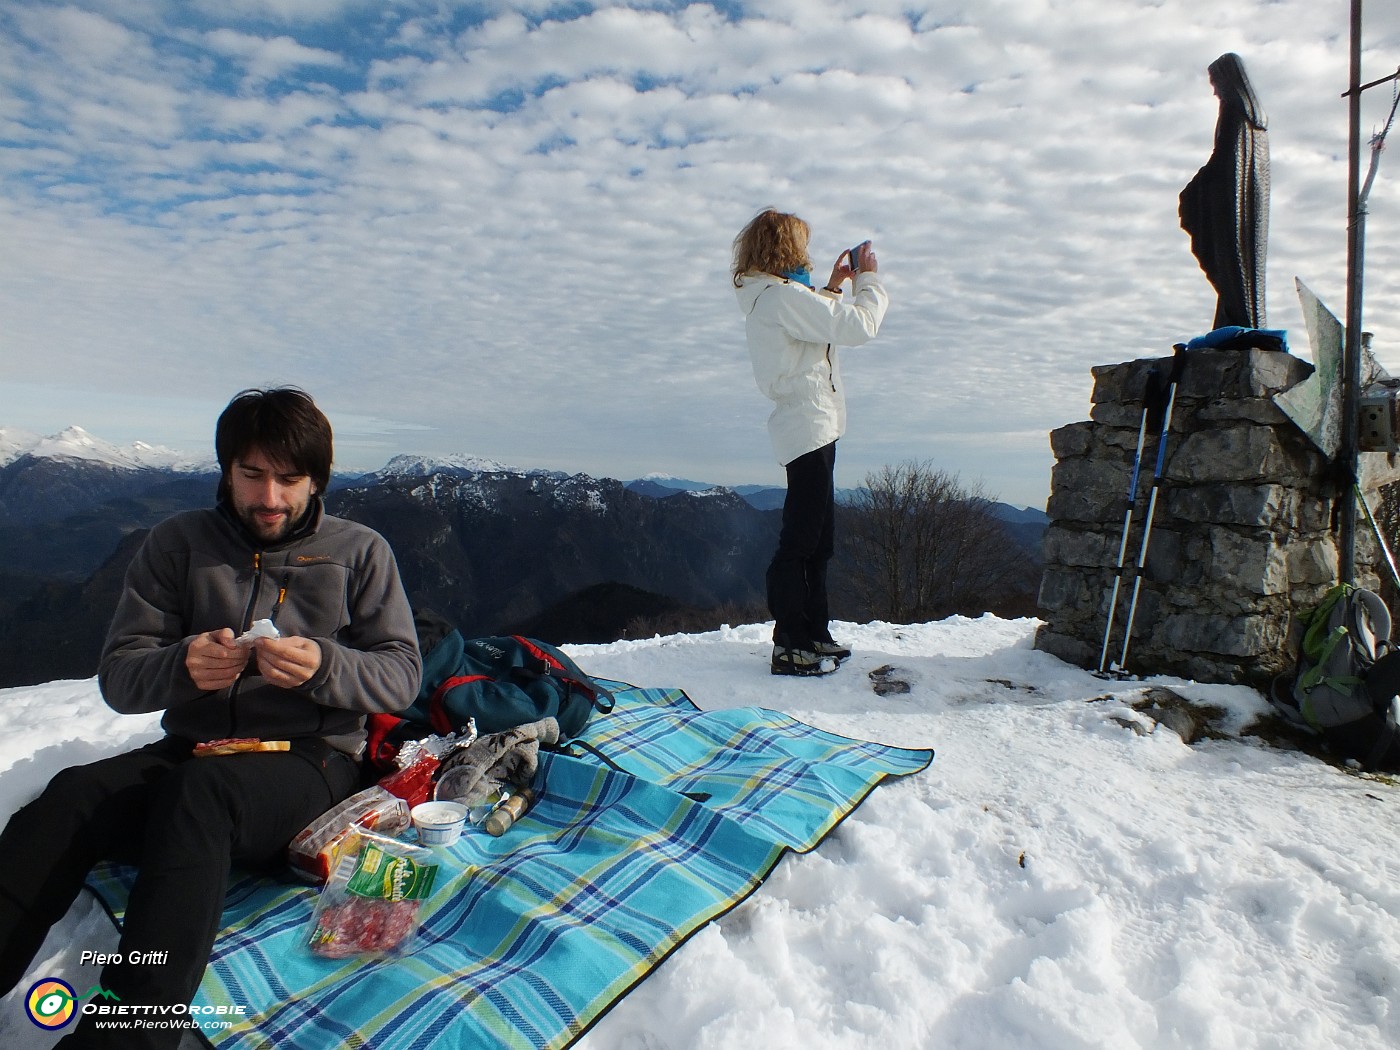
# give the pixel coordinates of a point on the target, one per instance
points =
(288, 662)
(213, 661)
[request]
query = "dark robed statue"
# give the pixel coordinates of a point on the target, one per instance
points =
(1225, 208)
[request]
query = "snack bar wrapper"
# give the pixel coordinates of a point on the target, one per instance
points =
(313, 853)
(370, 905)
(257, 629)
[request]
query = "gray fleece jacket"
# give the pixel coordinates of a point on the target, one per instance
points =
(199, 571)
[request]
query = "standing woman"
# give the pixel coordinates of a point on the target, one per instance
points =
(793, 332)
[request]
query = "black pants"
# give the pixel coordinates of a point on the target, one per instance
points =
(797, 574)
(1374, 741)
(182, 821)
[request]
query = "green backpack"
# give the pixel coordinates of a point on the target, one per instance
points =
(1346, 686)
(1343, 637)
(495, 683)
(503, 682)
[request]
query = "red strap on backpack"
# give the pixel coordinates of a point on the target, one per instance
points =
(437, 715)
(554, 667)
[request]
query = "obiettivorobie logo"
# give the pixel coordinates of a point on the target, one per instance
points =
(52, 1004)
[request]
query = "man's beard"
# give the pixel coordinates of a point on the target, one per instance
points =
(272, 532)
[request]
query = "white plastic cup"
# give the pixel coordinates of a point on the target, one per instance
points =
(439, 823)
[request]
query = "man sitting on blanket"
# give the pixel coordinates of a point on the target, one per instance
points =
(180, 641)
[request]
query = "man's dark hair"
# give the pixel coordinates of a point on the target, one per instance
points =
(284, 424)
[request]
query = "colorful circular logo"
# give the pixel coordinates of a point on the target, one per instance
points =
(51, 1003)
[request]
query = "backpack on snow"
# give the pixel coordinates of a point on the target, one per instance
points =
(498, 683)
(1338, 689)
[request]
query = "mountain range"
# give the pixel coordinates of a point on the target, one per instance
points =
(495, 549)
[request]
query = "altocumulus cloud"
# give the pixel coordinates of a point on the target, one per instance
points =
(505, 228)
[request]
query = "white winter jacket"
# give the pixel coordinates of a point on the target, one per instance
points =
(793, 335)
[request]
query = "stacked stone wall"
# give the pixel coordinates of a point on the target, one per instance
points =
(1241, 537)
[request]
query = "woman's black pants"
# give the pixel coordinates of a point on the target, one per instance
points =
(797, 574)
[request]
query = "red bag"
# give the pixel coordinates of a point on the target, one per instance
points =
(414, 782)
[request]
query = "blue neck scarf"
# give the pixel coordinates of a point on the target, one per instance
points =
(802, 276)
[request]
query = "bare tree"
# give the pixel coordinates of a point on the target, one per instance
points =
(919, 545)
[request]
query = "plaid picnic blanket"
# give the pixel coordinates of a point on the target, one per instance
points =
(666, 819)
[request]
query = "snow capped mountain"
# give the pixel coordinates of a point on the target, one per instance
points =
(75, 443)
(483, 483)
(666, 486)
(460, 463)
(14, 443)
(46, 479)
(670, 481)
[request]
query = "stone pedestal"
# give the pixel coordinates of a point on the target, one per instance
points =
(1242, 533)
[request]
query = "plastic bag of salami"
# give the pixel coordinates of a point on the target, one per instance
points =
(370, 904)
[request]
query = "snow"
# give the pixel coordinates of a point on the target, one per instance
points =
(15, 442)
(76, 443)
(1067, 874)
(462, 463)
(672, 482)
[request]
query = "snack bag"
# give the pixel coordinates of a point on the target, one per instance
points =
(417, 764)
(312, 854)
(413, 780)
(370, 903)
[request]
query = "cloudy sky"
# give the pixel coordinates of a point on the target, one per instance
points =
(504, 228)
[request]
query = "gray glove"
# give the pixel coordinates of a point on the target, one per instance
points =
(501, 760)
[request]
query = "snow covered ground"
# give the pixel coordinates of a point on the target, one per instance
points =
(1067, 874)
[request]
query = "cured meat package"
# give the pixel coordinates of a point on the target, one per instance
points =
(370, 905)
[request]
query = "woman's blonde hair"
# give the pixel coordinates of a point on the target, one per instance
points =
(773, 242)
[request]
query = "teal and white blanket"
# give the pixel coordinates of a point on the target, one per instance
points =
(529, 938)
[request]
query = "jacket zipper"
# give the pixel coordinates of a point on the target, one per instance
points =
(830, 369)
(247, 623)
(281, 597)
(253, 594)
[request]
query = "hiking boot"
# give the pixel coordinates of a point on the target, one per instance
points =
(801, 662)
(835, 650)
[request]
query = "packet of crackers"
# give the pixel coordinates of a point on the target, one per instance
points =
(313, 853)
(239, 745)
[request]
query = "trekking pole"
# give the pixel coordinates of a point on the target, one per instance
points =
(1376, 529)
(1177, 365)
(1123, 543)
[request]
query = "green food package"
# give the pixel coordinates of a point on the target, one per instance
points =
(370, 904)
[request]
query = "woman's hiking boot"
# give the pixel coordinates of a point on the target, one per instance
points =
(835, 650)
(802, 662)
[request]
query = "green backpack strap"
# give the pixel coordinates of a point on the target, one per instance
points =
(1316, 674)
(1320, 640)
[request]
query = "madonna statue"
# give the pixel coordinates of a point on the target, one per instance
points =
(1225, 208)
